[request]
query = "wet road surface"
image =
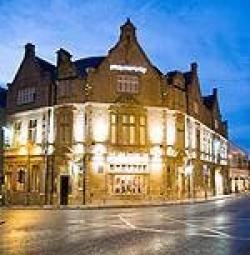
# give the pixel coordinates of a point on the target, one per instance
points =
(218, 227)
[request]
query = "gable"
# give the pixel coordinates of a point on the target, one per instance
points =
(126, 58)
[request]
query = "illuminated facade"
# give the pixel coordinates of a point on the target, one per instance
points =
(2, 122)
(239, 172)
(111, 128)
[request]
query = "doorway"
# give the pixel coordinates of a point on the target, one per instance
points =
(64, 189)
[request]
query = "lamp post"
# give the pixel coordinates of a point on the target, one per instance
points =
(29, 147)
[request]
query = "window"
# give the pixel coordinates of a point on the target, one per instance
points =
(34, 178)
(113, 128)
(20, 181)
(189, 133)
(26, 95)
(128, 84)
(128, 184)
(65, 128)
(130, 129)
(17, 132)
(142, 131)
(32, 133)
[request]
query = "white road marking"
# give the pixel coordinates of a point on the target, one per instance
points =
(201, 227)
(215, 233)
(126, 222)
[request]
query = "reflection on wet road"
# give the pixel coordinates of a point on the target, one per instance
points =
(219, 227)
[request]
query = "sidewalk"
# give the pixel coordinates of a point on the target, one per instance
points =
(112, 205)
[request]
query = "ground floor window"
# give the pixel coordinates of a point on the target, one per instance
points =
(20, 181)
(128, 184)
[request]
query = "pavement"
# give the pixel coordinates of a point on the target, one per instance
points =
(215, 227)
(124, 204)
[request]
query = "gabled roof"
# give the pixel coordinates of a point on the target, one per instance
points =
(209, 101)
(46, 66)
(90, 62)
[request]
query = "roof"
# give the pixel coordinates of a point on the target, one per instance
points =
(188, 77)
(209, 101)
(3, 94)
(46, 66)
(91, 62)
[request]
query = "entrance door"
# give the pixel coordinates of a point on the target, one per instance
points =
(64, 190)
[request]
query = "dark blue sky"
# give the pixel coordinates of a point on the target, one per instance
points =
(214, 33)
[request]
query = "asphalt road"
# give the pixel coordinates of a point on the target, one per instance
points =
(218, 227)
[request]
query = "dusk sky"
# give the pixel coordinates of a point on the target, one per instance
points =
(213, 33)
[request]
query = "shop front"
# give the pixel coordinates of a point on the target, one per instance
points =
(128, 176)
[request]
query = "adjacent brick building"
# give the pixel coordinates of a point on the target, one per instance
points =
(111, 127)
(239, 171)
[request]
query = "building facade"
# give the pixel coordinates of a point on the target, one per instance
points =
(2, 124)
(111, 128)
(239, 169)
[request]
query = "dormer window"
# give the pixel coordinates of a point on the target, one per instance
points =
(128, 84)
(26, 95)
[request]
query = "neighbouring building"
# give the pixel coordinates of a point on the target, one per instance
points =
(2, 123)
(111, 128)
(239, 168)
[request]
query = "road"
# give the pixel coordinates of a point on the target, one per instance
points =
(218, 227)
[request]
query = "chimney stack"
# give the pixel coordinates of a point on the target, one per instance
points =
(194, 67)
(30, 50)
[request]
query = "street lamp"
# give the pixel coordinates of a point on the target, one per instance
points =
(29, 147)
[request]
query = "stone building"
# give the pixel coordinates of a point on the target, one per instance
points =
(111, 128)
(239, 168)
(2, 123)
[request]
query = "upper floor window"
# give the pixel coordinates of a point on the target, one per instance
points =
(65, 134)
(128, 83)
(32, 133)
(128, 129)
(26, 95)
(17, 132)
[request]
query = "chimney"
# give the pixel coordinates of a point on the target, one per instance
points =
(62, 56)
(30, 50)
(194, 67)
(128, 30)
(215, 91)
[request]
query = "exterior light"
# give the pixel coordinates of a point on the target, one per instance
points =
(170, 130)
(99, 149)
(156, 160)
(100, 129)
(188, 170)
(78, 148)
(155, 126)
(78, 127)
(7, 135)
